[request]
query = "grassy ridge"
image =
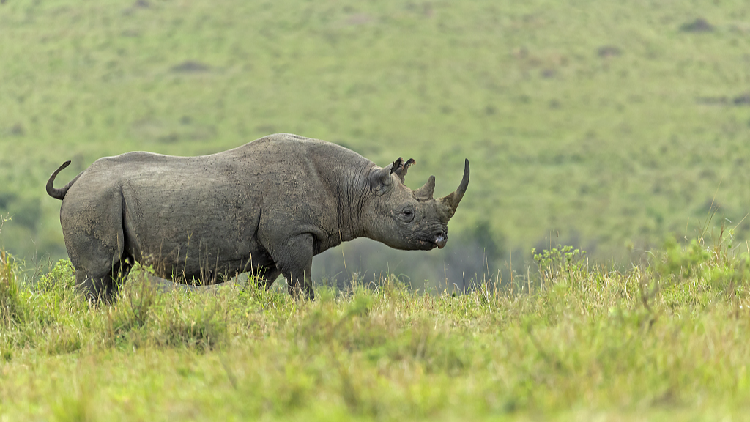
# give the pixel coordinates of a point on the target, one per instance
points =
(665, 340)
(608, 125)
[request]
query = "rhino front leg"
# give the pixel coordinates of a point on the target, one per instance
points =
(294, 259)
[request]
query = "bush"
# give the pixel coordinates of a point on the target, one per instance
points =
(11, 308)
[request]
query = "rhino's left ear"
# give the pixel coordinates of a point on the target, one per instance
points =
(380, 179)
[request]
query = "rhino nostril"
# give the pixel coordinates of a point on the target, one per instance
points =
(441, 240)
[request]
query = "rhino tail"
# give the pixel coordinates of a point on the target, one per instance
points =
(59, 193)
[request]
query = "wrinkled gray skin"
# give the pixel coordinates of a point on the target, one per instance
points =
(268, 207)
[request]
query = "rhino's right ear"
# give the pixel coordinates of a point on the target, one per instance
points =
(380, 179)
(400, 167)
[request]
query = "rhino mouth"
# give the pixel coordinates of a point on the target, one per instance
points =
(438, 241)
(428, 243)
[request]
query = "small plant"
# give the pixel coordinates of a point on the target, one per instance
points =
(59, 283)
(3, 219)
(199, 327)
(9, 294)
(682, 262)
(563, 261)
(133, 309)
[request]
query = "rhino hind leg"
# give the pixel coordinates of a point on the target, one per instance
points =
(99, 266)
(105, 285)
(92, 223)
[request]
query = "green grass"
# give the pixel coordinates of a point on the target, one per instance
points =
(665, 340)
(608, 149)
(611, 149)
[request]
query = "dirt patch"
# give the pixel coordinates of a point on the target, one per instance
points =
(742, 100)
(608, 51)
(17, 130)
(140, 4)
(190, 66)
(359, 19)
(699, 25)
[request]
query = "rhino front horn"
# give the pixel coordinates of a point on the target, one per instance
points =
(452, 200)
(425, 192)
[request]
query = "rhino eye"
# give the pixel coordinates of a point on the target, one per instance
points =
(407, 215)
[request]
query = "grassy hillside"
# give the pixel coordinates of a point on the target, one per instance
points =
(664, 341)
(604, 124)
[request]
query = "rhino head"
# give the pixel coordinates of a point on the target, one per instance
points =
(408, 219)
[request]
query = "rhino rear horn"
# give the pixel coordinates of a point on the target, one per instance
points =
(452, 200)
(425, 192)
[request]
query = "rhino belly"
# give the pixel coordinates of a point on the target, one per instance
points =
(192, 232)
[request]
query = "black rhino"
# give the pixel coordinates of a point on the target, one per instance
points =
(267, 207)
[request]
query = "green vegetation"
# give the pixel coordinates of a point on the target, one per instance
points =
(664, 340)
(606, 125)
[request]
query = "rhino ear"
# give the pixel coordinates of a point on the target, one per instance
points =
(400, 167)
(380, 179)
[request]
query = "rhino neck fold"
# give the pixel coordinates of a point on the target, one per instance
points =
(341, 175)
(353, 193)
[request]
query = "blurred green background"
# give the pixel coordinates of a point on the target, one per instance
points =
(606, 125)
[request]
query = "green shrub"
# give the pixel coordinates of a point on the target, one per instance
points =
(11, 305)
(61, 278)
(559, 264)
